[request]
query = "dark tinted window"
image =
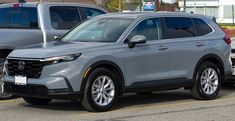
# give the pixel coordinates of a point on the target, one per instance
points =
(64, 17)
(178, 27)
(201, 27)
(19, 17)
(4, 17)
(90, 12)
(148, 28)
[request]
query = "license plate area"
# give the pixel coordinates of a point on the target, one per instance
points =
(20, 80)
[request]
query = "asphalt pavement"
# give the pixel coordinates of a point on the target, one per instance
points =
(174, 105)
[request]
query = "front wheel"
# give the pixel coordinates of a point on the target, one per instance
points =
(101, 90)
(208, 82)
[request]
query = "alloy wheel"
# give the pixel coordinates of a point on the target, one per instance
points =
(103, 90)
(209, 81)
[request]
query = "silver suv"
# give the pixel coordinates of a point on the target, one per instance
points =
(25, 24)
(113, 54)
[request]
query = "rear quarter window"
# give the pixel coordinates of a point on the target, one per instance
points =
(201, 27)
(178, 27)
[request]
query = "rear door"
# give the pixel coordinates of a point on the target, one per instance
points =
(62, 19)
(87, 12)
(184, 47)
(19, 26)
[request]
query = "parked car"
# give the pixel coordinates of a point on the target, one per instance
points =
(113, 54)
(231, 81)
(25, 24)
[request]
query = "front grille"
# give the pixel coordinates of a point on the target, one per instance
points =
(31, 69)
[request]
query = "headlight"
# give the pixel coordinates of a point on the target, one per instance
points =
(59, 59)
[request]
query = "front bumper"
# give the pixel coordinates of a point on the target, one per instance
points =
(40, 91)
(50, 87)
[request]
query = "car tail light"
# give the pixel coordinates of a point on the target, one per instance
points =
(15, 5)
(227, 39)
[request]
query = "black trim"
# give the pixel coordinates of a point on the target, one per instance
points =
(210, 56)
(40, 91)
(159, 85)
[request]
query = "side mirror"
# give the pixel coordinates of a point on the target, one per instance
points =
(137, 39)
(57, 37)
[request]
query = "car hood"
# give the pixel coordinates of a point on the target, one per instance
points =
(53, 49)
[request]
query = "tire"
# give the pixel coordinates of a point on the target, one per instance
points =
(36, 101)
(95, 91)
(3, 96)
(207, 87)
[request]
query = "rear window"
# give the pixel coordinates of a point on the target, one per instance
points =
(178, 27)
(201, 27)
(64, 17)
(19, 17)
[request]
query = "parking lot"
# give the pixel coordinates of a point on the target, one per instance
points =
(176, 105)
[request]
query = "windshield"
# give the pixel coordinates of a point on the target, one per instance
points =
(99, 30)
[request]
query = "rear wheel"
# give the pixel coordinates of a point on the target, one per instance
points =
(36, 101)
(2, 94)
(101, 90)
(208, 82)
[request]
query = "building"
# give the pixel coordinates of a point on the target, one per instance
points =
(223, 10)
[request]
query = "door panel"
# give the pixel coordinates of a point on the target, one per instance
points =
(184, 47)
(148, 61)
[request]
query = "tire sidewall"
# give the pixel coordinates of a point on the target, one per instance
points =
(93, 76)
(198, 80)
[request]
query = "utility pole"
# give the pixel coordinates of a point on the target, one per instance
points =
(184, 5)
(233, 13)
(120, 5)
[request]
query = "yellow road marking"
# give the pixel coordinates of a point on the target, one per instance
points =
(7, 101)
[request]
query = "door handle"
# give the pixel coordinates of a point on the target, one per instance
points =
(162, 48)
(199, 44)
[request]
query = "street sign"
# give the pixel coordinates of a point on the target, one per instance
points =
(149, 5)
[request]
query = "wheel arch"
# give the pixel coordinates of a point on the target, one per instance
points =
(112, 67)
(214, 59)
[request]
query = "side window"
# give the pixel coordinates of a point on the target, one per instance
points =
(148, 28)
(90, 12)
(4, 17)
(201, 27)
(178, 27)
(64, 17)
(19, 17)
